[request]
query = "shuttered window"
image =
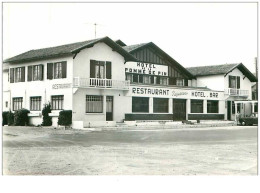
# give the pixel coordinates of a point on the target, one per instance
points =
(234, 82)
(100, 69)
(11, 75)
(17, 74)
(57, 70)
(35, 72)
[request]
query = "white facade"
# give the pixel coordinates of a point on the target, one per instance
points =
(116, 93)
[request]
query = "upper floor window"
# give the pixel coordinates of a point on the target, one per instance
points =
(234, 82)
(100, 69)
(57, 70)
(35, 72)
(17, 74)
(17, 103)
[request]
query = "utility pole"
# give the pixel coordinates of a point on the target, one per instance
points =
(256, 71)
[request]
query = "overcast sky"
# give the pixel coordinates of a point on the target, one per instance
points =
(194, 34)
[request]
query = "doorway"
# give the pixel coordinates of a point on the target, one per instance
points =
(109, 108)
(229, 110)
(179, 109)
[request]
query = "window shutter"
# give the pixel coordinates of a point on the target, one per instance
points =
(29, 75)
(185, 82)
(64, 69)
(229, 81)
(158, 80)
(152, 79)
(108, 70)
(238, 82)
(170, 81)
(11, 75)
(50, 71)
(23, 74)
(92, 68)
(41, 71)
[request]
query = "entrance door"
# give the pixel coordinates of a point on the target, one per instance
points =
(229, 110)
(179, 109)
(109, 108)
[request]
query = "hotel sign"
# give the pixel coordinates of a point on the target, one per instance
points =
(146, 68)
(174, 93)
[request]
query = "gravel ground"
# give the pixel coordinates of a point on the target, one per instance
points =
(41, 151)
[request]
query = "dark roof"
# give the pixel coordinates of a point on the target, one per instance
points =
(68, 49)
(221, 69)
(136, 47)
(120, 42)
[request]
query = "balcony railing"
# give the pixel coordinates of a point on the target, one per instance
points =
(101, 83)
(236, 92)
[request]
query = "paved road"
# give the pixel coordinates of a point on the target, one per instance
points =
(205, 151)
(233, 134)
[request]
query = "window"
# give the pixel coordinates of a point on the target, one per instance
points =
(234, 82)
(234, 109)
(57, 70)
(147, 79)
(160, 105)
(196, 106)
(17, 74)
(35, 72)
(100, 69)
(212, 106)
(17, 103)
(163, 80)
(35, 103)
(140, 104)
(57, 102)
(179, 82)
(94, 104)
(129, 77)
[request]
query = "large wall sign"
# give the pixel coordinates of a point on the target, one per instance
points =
(146, 68)
(174, 93)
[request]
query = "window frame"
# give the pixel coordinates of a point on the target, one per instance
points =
(97, 99)
(157, 103)
(211, 108)
(19, 100)
(140, 104)
(59, 98)
(198, 101)
(35, 99)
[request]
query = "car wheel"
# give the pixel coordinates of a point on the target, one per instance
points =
(243, 123)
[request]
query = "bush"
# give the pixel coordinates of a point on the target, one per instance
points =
(21, 117)
(5, 118)
(10, 118)
(46, 121)
(65, 118)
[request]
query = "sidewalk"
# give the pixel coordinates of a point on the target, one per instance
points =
(162, 125)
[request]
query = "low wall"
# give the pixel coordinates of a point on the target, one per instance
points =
(206, 116)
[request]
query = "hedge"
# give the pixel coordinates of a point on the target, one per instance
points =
(21, 117)
(10, 118)
(5, 118)
(46, 121)
(65, 117)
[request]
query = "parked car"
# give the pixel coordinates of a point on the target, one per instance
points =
(252, 119)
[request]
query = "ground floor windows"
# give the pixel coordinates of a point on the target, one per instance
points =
(57, 102)
(94, 104)
(196, 106)
(160, 105)
(17, 103)
(140, 104)
(35, 103)
(212, 106)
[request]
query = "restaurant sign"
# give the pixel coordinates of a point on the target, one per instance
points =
(146, 68)
(61, 86)
(174, 93)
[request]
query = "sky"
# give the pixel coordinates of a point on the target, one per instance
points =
(194, 34)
